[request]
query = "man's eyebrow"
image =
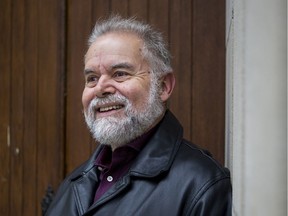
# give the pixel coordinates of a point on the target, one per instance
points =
(87, 71)
(122, 65)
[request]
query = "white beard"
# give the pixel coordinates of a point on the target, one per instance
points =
(118, 131)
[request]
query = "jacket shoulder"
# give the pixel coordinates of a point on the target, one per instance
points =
(196, 158)
(208, 179)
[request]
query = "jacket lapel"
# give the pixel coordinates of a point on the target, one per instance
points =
(84, 184)
(157, 156)
(117, 188)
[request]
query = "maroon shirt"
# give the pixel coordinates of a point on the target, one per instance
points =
(115, 164)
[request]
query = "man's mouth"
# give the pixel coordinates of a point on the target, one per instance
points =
(109, 108)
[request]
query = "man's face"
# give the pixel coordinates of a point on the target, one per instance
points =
(119, 100)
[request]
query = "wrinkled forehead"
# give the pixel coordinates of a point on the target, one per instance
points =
(126, 44)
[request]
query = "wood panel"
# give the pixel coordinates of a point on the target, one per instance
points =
(208, 88)
(180, 41)
(33, 103)
(101, 9)
(138, 9)
(119, 7)
(158, 15)
(30, 80)
(77, 135)
(17, 112)
(50, 100)
(5, 77)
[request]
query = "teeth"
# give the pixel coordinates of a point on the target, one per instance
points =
(105, 109)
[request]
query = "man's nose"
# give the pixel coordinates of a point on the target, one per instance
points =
(104, 87)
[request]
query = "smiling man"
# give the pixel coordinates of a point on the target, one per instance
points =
(119, 95)
(143, 166)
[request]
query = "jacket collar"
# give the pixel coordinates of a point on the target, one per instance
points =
(157, 156)
(86, 167)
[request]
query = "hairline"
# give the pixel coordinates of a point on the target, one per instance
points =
(155, 50)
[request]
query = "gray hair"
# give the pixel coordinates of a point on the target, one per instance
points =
(154, 49)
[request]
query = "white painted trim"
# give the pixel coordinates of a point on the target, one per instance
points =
(256, 105)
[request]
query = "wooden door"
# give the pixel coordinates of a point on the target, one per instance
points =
(32, 102)
(42, 43)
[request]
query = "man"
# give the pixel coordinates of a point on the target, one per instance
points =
(143, 166)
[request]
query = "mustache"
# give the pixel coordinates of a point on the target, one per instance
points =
(96, 102)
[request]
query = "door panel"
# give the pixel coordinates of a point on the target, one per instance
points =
(32, 93)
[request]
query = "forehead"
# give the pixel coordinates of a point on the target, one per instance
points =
(118, 44)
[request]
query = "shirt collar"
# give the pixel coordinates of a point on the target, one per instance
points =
(130, 150)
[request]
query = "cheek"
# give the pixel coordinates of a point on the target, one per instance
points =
(87, 96)
(138, 96)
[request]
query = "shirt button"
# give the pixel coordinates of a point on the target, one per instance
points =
(109, 178)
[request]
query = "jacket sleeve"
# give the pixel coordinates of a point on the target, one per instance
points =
(214, 200)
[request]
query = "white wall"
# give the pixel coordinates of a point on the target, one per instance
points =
(256, 132)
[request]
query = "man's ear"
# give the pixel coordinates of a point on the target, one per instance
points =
(167, 86)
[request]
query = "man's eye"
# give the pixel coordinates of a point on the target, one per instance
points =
(91, 80)
(120, 74)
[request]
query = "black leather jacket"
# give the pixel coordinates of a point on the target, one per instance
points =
(170, 176)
